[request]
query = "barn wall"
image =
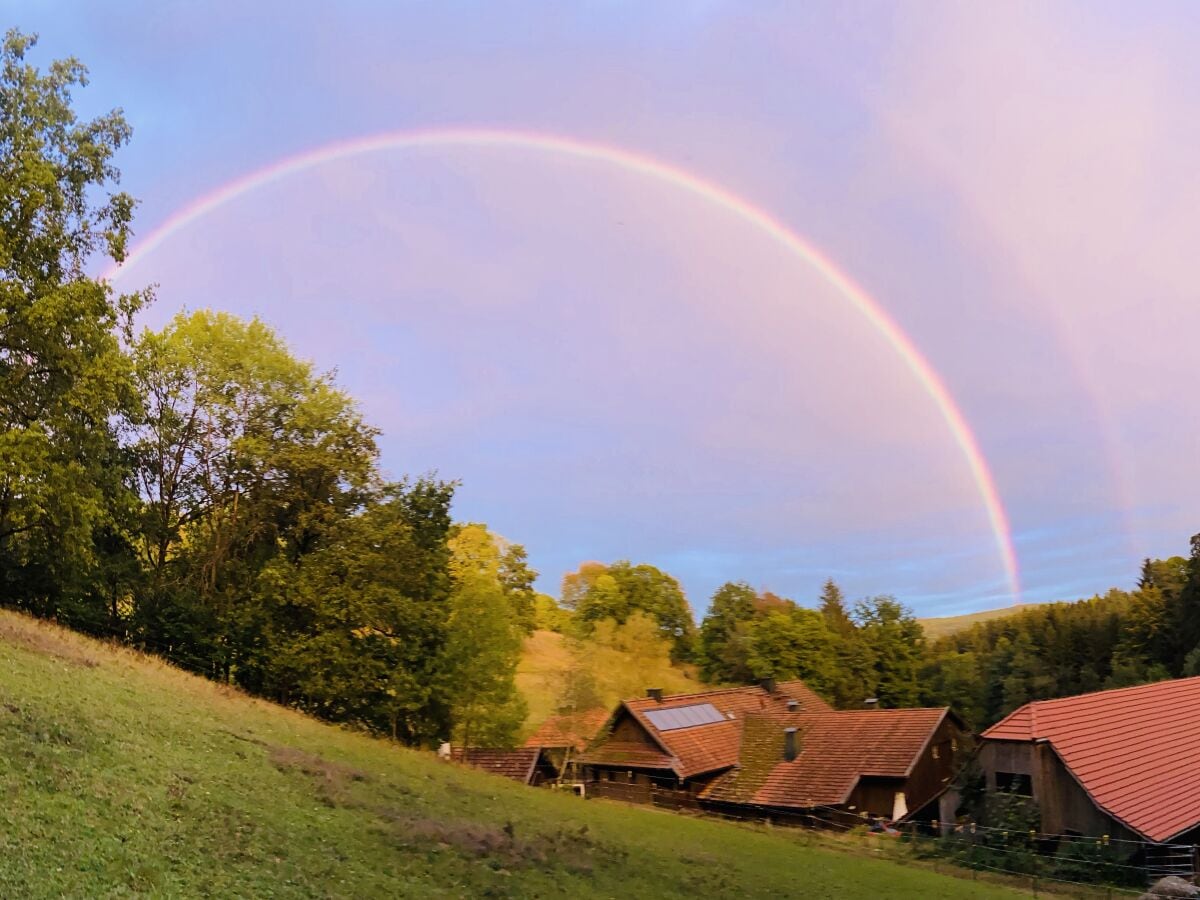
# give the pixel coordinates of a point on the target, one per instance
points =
(1063, 804)
(875, 795)
(937, 765)
(1006, 756)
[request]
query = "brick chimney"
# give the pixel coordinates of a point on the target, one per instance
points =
(791, 747)
(654, 694)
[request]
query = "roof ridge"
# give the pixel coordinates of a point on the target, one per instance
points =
(745, 687)
(1118, 690)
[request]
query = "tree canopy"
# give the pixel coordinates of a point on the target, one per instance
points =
(597, 592)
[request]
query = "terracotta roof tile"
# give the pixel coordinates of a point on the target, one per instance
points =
(810, 701)
(836, 749)
(574, 730)
(516, 764)
(1132, 749)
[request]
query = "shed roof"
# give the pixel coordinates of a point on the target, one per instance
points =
(836, 749)
(518, 764)
(1132, 749)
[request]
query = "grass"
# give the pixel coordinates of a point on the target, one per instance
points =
(946, 625)
(618, 675)
(122, 776)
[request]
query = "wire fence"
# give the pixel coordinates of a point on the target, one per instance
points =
(1033, 860)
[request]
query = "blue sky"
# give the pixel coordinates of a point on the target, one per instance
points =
(616, 370)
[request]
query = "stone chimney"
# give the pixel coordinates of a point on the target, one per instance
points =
(871, 703)
(654, 694)
(793, 705)
(791, 748)
(768, 685)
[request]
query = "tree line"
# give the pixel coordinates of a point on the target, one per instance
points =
(876, 648)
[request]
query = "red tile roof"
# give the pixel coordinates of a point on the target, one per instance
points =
(516, 764)
(1134, 750)
(574, 730)
(700, 748)
(810, 701)
(836, 750)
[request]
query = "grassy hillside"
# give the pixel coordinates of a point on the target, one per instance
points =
(945, 625)
(120, 775)
(619, 675)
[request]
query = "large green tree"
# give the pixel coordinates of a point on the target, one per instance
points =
(722, 647)
(65, 383)
(615, 592)
(895, 643)
(485, 632)
(357, 630)
(243, 453)
(792, 643)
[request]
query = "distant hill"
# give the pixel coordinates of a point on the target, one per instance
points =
(123, 776)
(618, 676)
(946, 625)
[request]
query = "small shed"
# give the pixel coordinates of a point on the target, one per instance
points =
(527, 765)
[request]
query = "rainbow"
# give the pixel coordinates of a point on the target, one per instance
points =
(665, 173)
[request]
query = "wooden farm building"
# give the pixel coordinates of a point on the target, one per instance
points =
(774, 751)
(1123, 763)
(885, 763)
(563, 737)
(528, 765)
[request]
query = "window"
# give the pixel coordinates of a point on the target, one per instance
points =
(1014, 783)
(936, 753)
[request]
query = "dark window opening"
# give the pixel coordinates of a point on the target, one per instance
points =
(1014, 783)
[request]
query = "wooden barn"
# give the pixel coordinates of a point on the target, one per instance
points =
(528, 765)
(1123, 763)
(563, 737)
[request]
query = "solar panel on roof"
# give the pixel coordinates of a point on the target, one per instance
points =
(684, 716)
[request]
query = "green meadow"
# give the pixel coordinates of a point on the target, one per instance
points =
(122, 776)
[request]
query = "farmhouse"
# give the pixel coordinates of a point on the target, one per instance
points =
(660, 748)
(884, 763)
(1123, 763)
(774, 750)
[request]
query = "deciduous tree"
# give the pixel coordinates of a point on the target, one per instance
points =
(65, 384)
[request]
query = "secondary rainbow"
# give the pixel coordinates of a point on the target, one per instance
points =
(640, 164)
